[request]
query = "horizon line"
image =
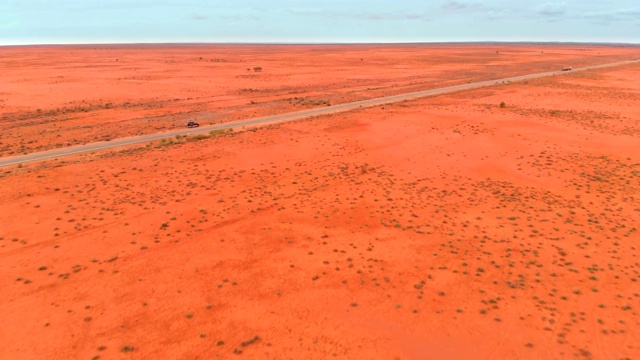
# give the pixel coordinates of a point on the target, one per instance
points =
(523, 42)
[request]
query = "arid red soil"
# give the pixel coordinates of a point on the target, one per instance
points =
(450, 227)
(56, 96)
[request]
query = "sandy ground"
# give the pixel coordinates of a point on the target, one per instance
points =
(56, 96)
(447, 227)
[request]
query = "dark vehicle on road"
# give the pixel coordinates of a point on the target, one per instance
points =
(568, 68)
(192, 124)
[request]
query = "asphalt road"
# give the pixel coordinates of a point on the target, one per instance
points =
(91, 147)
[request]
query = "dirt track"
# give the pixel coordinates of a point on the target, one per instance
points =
(52, 154)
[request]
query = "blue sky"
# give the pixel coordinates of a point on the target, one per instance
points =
(108, 21)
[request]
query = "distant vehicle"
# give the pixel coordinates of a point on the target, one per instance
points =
(568, 68)
(192, 124)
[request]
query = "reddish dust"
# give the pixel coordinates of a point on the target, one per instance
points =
(449, 227)
(57, 96)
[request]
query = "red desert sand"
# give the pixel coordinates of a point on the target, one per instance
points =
(442, 228)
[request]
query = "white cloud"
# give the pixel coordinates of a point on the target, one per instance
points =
(461, 5)
(613, 14)
(551, 9)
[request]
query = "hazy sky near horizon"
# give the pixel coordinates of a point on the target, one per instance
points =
(115, 21)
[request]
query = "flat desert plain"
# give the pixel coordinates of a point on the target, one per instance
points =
(450, 227)
(54, 96)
